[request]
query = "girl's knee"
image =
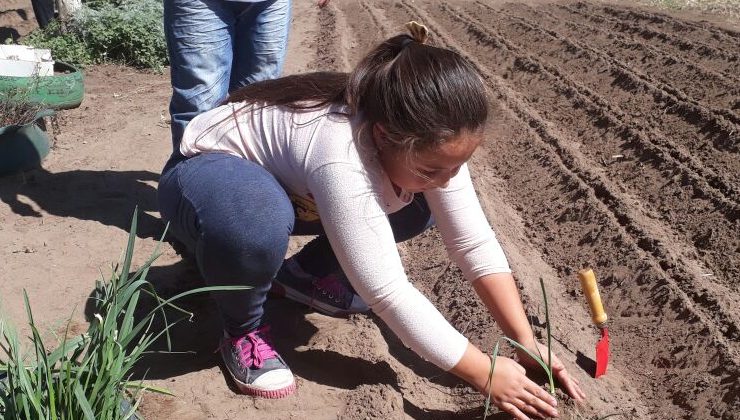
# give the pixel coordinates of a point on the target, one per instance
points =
(412, 220)
(242, 217)
(241, 257)
(249, 238)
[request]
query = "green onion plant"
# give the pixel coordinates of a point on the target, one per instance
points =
(89, 376)
(547, 367)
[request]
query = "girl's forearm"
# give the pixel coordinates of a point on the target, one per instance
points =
(500, 295)
(473, 367)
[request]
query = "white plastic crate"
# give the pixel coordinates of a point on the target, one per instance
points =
(25, 61)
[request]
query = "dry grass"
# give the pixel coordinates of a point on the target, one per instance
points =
(15, 112)
(725, 8)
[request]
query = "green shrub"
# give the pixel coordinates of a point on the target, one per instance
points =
(67, 47)
(130, 32)
(97, 4)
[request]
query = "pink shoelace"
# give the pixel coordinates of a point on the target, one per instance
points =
(255, 347)
(332, 286)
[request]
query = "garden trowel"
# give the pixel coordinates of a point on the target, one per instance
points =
(591, 290)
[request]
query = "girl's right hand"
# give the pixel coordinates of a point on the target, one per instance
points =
(516, 394)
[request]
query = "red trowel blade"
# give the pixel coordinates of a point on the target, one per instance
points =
(602, 353)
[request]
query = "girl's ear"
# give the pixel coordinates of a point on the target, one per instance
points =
(379, 136)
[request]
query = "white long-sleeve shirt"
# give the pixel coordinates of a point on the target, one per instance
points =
(318, 158)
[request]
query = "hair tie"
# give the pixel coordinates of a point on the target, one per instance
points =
(418, 32)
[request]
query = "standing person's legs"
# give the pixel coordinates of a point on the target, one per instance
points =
(260, 41)
(44, 11)
(199, 41)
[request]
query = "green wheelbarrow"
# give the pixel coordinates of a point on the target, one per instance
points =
(64, 90)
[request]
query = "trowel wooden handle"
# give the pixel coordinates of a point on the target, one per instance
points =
(591, 290)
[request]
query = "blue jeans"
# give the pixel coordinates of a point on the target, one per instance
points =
(236, 219)
(216, 46)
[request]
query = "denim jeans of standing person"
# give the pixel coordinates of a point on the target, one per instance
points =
(44, 12)
(216, 46)
(236, 218)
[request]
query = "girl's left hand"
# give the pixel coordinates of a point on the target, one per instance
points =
(569, 383)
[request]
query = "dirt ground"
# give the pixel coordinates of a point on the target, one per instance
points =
(614, 143)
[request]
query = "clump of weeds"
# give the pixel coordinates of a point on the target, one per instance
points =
(17, 110)
(89, 376)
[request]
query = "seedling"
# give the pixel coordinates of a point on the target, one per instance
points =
(547, 367)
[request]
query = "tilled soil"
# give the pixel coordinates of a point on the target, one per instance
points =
(614, 143)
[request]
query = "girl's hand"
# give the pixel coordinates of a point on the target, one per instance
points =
(516, 394)
(569, 383)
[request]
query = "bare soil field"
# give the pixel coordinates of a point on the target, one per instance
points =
(614, 143)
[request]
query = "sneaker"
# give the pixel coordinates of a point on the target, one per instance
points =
(331, 295)
(256, 367)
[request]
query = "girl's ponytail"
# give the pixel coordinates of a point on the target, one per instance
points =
(418, 32)
(420, 94)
